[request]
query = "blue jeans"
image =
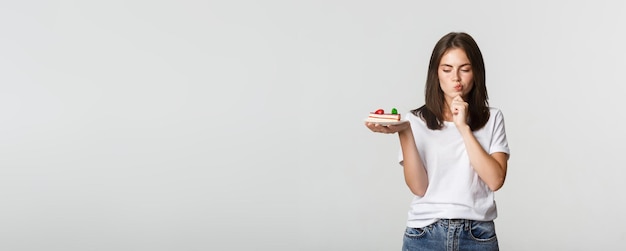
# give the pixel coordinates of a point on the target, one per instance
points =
(452, 235)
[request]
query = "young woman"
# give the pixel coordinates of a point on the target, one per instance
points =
(454, 153)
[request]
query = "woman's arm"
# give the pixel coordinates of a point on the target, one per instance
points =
(415, 174)
(414, 171)
(490, 168)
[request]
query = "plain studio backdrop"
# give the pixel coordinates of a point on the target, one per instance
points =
(238, 125)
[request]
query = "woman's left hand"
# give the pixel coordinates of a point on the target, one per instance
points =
(388, 129)
(459, 111)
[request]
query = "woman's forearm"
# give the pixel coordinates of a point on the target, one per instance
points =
(414, 172)
(490, 169)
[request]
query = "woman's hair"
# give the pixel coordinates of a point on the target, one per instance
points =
(432, 111)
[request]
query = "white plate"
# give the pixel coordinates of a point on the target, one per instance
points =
(386, 123)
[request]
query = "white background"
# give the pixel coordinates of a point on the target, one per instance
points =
(238, 125)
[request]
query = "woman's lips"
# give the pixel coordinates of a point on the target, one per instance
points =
(458, 87)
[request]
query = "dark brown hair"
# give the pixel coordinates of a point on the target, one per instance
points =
(432, 111)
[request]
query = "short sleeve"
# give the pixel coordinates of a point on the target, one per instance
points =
(407, 116)
(499, 142)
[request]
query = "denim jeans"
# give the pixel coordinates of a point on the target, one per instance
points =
(452, 235)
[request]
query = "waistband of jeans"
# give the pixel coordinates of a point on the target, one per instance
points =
(455, 222)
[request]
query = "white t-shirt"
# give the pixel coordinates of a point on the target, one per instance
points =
(454, 189)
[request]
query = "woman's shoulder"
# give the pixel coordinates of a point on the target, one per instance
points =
(417, 111)
(495, 110)
(411, 115)
(415, 114)
(415, 117)
(495, 113)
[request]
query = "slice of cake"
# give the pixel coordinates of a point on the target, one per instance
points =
(380, 116)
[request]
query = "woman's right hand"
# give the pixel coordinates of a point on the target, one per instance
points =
(389, 129)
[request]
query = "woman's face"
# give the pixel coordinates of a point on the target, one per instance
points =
(455, 74)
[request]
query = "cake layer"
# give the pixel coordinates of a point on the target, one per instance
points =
(385, 117)
(381, 120)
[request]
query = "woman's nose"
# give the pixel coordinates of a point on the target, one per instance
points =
(456, 77)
